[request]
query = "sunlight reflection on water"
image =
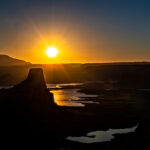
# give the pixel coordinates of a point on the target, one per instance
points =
(69, 97)
(64, 97)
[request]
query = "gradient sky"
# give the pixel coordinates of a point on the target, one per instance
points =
(82, 30)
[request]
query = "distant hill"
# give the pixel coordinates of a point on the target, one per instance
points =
(6, 60)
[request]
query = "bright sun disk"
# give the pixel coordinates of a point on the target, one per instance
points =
(51, 51)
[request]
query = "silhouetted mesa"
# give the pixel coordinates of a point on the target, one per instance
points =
(34, 88)
(6, 60)
(26, 108)
(29, 97)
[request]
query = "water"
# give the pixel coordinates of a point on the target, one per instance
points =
(67, 97)
(63, 85)
(101, 136)
(5, 87)
(71, 96)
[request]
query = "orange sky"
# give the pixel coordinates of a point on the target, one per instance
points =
(74, 46)
(82, 31)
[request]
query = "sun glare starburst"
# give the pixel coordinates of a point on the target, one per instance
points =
(51, 51)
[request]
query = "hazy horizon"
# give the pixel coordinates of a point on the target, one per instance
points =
(111, 62)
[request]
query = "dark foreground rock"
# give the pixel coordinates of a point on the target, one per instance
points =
(27, 110)
(31, 120)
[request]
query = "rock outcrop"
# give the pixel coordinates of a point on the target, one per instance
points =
(31, 90)
(34, 90)
(27, 109)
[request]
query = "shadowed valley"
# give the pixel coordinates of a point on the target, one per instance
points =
(30, 118)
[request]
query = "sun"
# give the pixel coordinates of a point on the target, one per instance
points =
(51, 51)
